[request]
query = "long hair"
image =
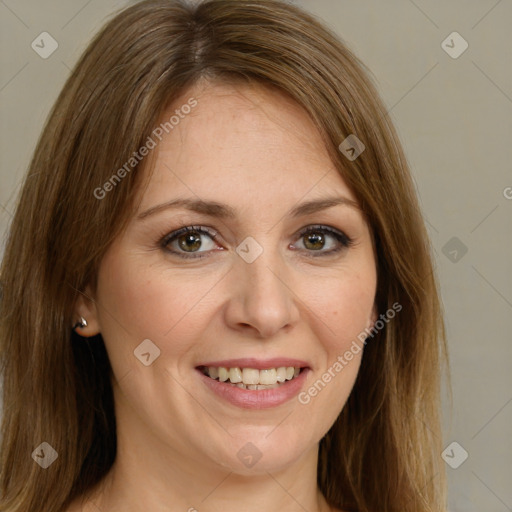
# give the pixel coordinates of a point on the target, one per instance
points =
(383, 451)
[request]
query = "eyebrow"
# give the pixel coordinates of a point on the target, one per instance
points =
(224, 211)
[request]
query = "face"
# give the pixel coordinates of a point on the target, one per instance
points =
(235, 267)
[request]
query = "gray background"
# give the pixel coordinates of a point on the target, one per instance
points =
(454, 117)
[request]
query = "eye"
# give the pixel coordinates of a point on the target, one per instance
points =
(318, 238)
(187, 242)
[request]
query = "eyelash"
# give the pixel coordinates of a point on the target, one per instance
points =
(344, 241)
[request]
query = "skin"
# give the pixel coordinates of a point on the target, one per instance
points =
(258, 152)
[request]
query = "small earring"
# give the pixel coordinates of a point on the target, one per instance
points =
(81, 323)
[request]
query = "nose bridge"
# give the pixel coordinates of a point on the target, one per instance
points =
(261, 296)
(261, 276)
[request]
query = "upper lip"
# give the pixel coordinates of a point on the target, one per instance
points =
(258, 364)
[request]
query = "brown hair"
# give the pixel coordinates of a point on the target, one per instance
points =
(383, 452)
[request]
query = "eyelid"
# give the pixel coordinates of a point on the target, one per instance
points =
(343, 239)
(338, 234)
(194, 228)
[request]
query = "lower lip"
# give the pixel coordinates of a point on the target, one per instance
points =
(257, 398)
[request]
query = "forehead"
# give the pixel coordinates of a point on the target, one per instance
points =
(241, 143)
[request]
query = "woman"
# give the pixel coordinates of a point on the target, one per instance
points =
(218, 290)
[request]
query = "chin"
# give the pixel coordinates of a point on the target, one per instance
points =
(263, 450)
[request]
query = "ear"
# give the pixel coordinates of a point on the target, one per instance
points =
(85, 306)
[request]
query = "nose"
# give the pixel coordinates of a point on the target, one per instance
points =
(261, 297)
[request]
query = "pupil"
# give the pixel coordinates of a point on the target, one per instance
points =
(315, 241)
(190, 242)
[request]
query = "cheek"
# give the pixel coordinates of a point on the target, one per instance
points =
(339, 313)
(344, 306)
(138, 301)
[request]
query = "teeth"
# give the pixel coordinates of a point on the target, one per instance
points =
(272, 386)
(235, 375)
(241, 385)
(281, 374)
(268, 376)
(223, 374)
(251, 378)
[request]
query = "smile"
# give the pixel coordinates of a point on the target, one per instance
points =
(254, 384)
(252, 378)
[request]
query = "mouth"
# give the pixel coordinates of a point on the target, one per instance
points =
(255, 384)
(252, 378)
